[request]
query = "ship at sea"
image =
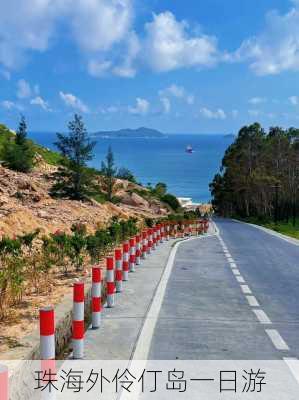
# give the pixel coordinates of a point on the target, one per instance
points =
(189, 149)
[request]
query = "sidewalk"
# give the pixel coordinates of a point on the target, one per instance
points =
(121, 325)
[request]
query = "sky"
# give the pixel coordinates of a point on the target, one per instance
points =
(190, 66)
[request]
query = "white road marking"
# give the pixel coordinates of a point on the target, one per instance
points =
(293, 365)
(233, 265)
(236, 272)
(240, 279)
(245, 289)
(230, 259)
(262, 317)
(252, 301)
(277, 340)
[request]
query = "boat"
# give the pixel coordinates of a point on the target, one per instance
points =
(189, 149)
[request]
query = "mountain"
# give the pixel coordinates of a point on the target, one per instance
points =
(130, 133)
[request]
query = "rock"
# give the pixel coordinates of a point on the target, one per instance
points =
(134, 200)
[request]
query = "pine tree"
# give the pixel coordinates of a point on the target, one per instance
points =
(109, 171)
(19, 154)
(74, 179)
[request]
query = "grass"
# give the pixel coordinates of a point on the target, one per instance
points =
(286, 228)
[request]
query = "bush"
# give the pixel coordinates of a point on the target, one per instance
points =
(172, 201)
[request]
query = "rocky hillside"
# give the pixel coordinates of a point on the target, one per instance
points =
(25, 204)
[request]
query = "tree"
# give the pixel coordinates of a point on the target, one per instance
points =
(109, 172)
(160, 189)
(19, 154)
(73, 178)
(125, 173)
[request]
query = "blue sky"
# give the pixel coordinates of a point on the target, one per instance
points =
(189, 66)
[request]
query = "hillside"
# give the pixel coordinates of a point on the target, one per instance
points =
(130, 133)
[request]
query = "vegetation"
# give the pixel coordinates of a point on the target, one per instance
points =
(73, 179)
(109, 172)
(18, 153)
(26, 262)
(124, 173)
(259, 176)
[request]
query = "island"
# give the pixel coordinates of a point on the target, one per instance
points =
(140, 133)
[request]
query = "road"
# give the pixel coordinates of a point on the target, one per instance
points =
(231, 296)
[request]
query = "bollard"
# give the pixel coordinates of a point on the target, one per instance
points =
(150, 240)
(96, 293)
(78, 321)
(190, 229)
(155, 236)
(3, 382)
(132, 255)
(118, 270)
(126, 261)
(47, 333)
(144, 244)
(162, 232)
(167, 232)
(138, 250)
(110, 281)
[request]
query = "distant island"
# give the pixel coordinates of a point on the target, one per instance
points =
(129, 133)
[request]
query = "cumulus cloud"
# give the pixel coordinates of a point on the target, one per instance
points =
(40, 102)
(294, 100)
(11, 105)
(276, 48)
(166, 105)
(74, 102)
(142, 107)
(178, 92)
(170, 45)
(210, 114)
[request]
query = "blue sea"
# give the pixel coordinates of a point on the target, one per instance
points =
(164, 160)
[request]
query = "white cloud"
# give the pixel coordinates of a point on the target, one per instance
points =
(23, 89)
(10, 105)
(166, 105)
(142, 107)
(98, 68)
(39, 101)
(207, 113)
(177, 92)
(276, 48)
(294, 100)
(257, 100)
(169, 45)
(74, 102)
(126, 69)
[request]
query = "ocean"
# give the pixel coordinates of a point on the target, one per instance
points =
(163, 160)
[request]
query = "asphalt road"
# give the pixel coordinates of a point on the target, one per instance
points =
(231, 296)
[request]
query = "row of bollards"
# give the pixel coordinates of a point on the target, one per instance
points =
(124, 260)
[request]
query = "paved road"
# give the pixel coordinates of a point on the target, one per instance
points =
(232, 296)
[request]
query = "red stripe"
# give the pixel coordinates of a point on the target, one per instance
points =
(119, 275)
(78, 292)
(47, 321)
(137, 239)
(110, 287)
(78, 329)
(96, 304)
(110, 263)
(138, 253)
(96, 274)
(125, 266)
(132, 258)
(132, 242)
(118, 254)
(126, 247)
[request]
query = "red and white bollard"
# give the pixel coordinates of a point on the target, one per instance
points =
(47, 333)
(118, 270)
(132, 255)
(78, 321)
(110, 281)
(150, 233)
(144, 244)
(96, 293)
(167, 232)
(155, 237)
(3, 382)
(138, 249)
(126, 261)
(190, 229)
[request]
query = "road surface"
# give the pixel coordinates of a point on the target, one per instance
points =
(231, 296)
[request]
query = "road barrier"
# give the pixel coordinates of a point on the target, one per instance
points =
(126, 261)
(118, 270)
(144, 244)
(47, 333)
(110, 283)
(3, 382)
(132, 255)
(150, 233)
(78, 321)
(138, 249)
(96, 293)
